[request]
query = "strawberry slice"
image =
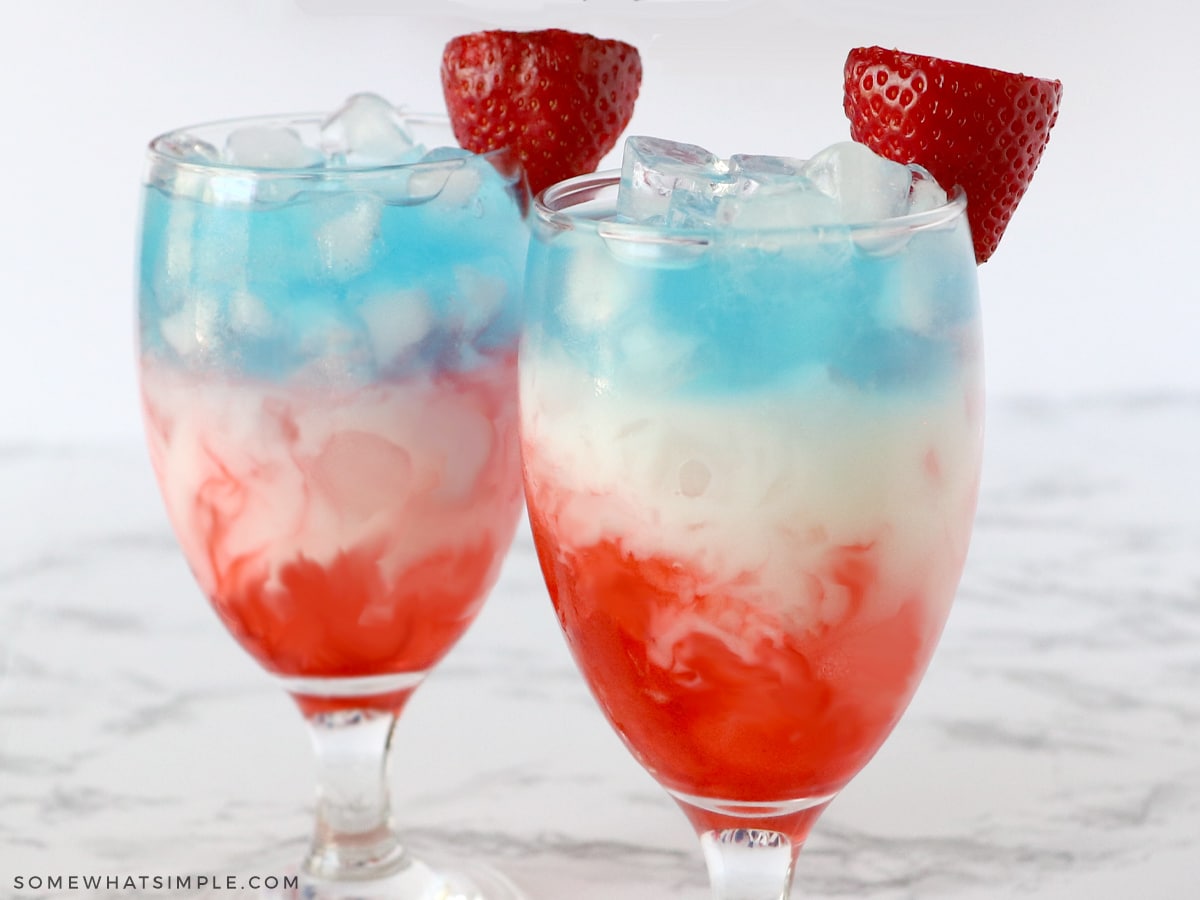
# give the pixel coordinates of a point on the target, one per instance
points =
(559, 98)
(979, 128)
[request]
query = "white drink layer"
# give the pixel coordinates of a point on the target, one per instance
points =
(751, 491)
(256, 475)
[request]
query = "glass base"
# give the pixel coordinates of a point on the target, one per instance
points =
(427, 877)
(429, 874)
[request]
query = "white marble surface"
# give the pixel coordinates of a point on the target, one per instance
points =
(1053, 751)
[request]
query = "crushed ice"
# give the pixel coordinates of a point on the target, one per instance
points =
(682, 185)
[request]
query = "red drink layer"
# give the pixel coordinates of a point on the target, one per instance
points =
(723, 699)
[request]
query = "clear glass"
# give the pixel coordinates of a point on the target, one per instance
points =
(751, 461)
(327, 362)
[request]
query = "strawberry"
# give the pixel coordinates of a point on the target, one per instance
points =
(979, 128)
(559, 98)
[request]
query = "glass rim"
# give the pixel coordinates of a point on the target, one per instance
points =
(158, 153)
(552, 206)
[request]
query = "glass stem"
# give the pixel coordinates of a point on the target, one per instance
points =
(749, 863)
(354, 837)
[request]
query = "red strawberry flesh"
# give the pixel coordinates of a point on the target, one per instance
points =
(979, 128)
(560, 99)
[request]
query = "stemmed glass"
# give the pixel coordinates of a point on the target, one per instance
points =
(751, 459)
(327, 327)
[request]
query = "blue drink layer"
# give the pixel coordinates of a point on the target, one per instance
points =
(355, 274)
(733, 313)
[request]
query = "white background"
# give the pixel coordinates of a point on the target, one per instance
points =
(1089, 293)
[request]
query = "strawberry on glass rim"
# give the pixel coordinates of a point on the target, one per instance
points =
(559, 99)
(979, 128)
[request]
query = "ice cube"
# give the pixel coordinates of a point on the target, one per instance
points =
(653, 169)
(396, 322)
(346, 231)
(184, 147)
(767, 201)
(593, 291)
(765, 169)
(478, 299)
(267, 147)
(447, 173)
(335, 350)
(361, 475)
(646, 355)
(926, 193)
(367, 131)
(704, 207)
(193, 329)
(913, 306)
(766, 192)
(183, 180)
(916, 297)
(794, 203)
(466, 438)
(179, 243)
(694, 477)
(866, 186)
(248, 314)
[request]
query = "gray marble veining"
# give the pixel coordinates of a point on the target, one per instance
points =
(1052, 752)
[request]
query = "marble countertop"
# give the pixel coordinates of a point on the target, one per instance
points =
(1052, 752)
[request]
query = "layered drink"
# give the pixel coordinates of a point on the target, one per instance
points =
(328, 315)
(751, 413)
